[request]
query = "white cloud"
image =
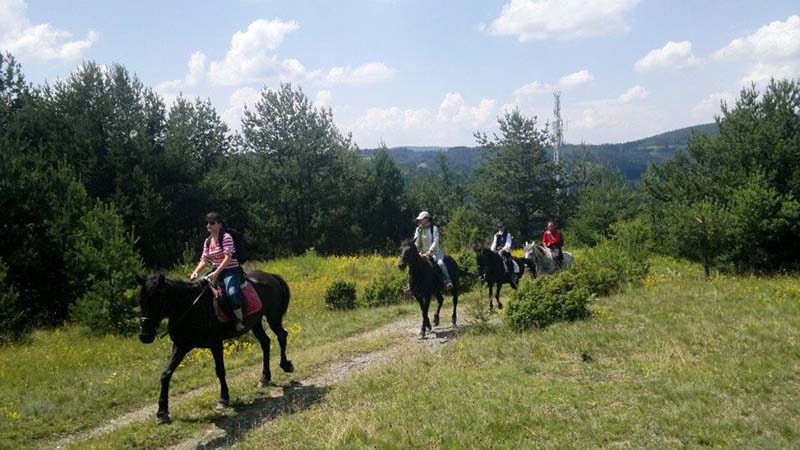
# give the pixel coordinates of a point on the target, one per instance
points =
(323, 98)
(775, 41)
(533, 88)
(673, 55)
(612, 121)
(772, 51)
(453, 109)
(194, 76)
(560, 19)
(370, 72)
(248, 61)
(706, 108)
(38, 42)
(575, 79)
(761, 72)
(247, 96)
(453, 122)
(635, 93)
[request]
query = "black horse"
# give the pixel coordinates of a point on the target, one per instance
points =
(492, 270)
(193, 324)
(425, 280)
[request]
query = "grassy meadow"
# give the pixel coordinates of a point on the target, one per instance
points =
(61, 381)
(676, 362)
(679, 362)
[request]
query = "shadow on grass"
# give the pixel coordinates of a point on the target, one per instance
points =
(296, 397)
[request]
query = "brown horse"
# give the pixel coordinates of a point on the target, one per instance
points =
(193, 324)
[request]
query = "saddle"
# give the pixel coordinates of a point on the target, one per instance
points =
(252, 303)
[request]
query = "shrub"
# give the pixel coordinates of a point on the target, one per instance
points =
(341, 295)
(542, 301)
(615, 262)
(468, 265)
(387, 289)
(12, 312)
(103, 264)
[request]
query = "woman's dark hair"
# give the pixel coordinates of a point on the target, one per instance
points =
(214, 217)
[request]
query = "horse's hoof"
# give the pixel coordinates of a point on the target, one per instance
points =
(436, 321)
(162, 418)
(287, 366)
(499, 305)
(264, 382)
(222, 403)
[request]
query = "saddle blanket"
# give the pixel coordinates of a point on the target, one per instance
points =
(516, 266)
(252, 303)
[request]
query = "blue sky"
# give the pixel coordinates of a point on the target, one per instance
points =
(410, 72)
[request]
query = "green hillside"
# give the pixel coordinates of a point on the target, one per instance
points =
(631, 158)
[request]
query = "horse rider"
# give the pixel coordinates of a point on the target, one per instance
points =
(501, 243)
(552, 240)
(426, 238)
(220, 252)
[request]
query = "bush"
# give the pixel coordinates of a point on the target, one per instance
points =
(387, 289)
(468, 266)
(103, 263)
(615, 262)
(12, 312)
(341, 295)
(542, 301)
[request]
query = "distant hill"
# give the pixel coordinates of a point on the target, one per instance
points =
(631, 158)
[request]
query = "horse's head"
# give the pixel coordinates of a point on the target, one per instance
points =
(483, 257)
(408, 253)
(528, 249)
(151, 302)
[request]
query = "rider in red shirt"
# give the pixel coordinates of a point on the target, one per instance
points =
(552, 240)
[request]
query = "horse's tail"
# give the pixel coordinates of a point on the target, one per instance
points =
(287, 293)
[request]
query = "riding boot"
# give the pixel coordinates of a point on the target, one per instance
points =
(238, 314)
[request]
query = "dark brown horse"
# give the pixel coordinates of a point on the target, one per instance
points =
(492, 270)
(193, 324)
(425, 280)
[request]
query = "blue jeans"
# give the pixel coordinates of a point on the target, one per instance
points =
(232, 278)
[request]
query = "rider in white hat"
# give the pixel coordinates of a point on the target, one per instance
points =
(426, 237)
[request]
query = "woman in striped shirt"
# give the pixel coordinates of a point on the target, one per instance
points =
(219, 250)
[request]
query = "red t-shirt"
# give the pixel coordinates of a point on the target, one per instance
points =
(549, 238)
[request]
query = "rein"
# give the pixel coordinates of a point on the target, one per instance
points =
(183, 316)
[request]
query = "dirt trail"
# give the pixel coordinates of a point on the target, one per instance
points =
(275, 402)
(302, 394)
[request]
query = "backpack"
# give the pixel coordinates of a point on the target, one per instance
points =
(239, 248)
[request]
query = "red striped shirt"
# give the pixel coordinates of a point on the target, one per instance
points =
(215, 254)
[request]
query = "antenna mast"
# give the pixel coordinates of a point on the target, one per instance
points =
(558, 127)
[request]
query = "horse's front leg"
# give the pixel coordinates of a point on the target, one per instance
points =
(491, 285)
(497, 296)
(178, 353)
(440, 299)
(424, 304)
(455, 306)
(219, 367)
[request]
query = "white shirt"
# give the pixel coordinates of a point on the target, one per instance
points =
(506, 246)
(427, 240)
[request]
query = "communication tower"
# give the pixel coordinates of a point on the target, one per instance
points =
(558, 127)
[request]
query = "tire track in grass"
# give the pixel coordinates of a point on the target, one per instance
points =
(148, 412)
(301, 395)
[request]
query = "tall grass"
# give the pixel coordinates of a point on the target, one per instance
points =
(63, 380)
(678, 362)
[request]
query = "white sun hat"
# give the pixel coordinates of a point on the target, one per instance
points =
(424, 215)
